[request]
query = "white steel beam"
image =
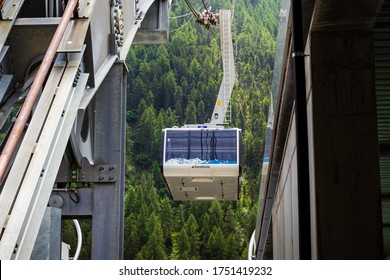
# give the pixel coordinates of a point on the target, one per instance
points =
(31, 197)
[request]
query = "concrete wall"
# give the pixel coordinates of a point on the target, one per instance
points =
(343, 155)
(285, 207)
(345, 193)
(344, 145)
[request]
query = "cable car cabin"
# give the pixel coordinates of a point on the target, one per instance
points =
(202, 163)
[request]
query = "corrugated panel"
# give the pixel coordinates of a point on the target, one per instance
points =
(382, 84)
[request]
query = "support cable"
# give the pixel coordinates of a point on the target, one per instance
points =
(194, 12)
(180, 16)
(204, 5)
(183, 25)
(187, 21)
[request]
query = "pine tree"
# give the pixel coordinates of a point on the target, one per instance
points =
(159, 125)
(180, 218)
(157, 176)
(155, 248)
(230, 222)
(163, 59)
(178, 107)
(171, 118)
(190, 113)
(205, 235)
(167, 220)
(195, 69)
(201, 113)
(168, 89)
(137, 91)
(216, 245)
(145, 130)
(130, 201)
(216, 214)
(233, 248)
(132, 243)
(141, 224)
(153, 200)
(191, 227)
(181, 246)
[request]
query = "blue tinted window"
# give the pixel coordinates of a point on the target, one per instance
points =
(211, 146)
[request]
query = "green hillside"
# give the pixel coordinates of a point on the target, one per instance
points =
(177, 83)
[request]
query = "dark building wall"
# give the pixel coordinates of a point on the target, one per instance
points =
(345, 191)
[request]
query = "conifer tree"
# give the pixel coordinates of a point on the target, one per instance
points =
(171, 118)
(216, 214)
(132, 243)
(181, 246)
(191, 227)
(144, 136)
(130, 201)
(205, 235)
(230, 222)
(180, 218)
(190, 113)
(201, 113)
(166, 217)
(141, 222)
(216, 245)
(155, 248)
(233, 247)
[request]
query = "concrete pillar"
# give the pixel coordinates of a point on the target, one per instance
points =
(346, 216)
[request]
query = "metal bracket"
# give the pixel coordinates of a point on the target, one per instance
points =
(105, 173)
(299, 53)
(85, 8)
(10, 9)
(98, 174)
(74, 203)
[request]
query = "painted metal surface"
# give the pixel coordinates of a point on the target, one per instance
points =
(9, 11)
(222, 112)
(202, 164)
(30, 204)
(25, 112)
(74, 36)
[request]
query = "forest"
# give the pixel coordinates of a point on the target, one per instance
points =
(177, 83)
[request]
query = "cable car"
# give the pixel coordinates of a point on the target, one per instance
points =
(202, 163)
